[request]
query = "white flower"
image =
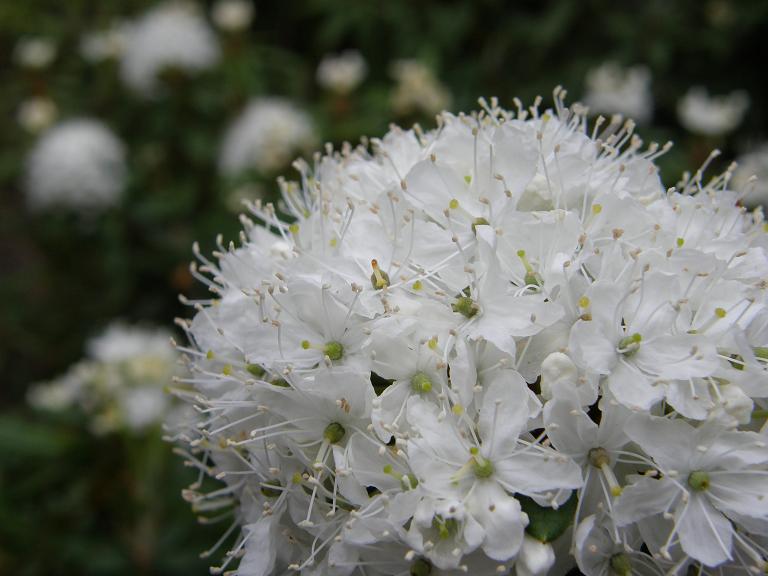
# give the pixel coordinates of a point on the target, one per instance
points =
(753, 164)
(342, 73)
(417, 89)
(447, 352)
(119, 384)
(711, 115)
(107, 44)
(35, 52)
(266, 136)
(170, 37)
(710, 477)
(611, 89)
(77, 163)
(37, 114)
(232, 15)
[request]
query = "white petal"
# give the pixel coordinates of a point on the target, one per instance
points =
(645, 497)
(500, 516)
(705, 534)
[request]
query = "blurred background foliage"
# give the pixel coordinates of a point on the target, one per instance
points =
(74, 503)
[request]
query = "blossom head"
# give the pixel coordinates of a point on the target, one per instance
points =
(707, 115)
(458, 342)
(120, 384)
(611, 89)
(79, 164)
(342, 73)
(170, 38)
(266, 136)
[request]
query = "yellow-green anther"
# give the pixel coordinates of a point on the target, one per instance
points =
(255, 370)
(280, 383)
(479, 222)
(465, 305)
(271, 492)
(482, 467)
(737, 361)
(334, 350)
(598, 457)
(680, 242)
(421, 383)
(760, 352)
(698, 480)
(620, 565)
(421, 567)
(630, 344)
(334, 432)
(379, 278)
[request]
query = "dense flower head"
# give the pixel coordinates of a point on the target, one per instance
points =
(120, 384)
(78, 163)
(417, 89)
(342, 73)
(498, 347)
(611, 89)
(751, 175)
(171, 38)
(232, 15)
(266, 136)
(708, 115)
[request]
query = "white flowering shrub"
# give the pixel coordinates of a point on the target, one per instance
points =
(120, 385)
(172, 37)
(499, 347)
(78, 164)
(265, 136)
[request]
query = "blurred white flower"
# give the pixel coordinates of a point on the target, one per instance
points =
(753, 163)
(232, 15)
(266, 136)
(120, 384)
(708, 115)
(34, 52)
(37, 114)
(342, 73)
(78, 163)
(172, 36)
(107, 44)
(611, 89)
(417, 89)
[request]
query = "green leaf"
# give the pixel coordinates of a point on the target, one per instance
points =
(547, 524)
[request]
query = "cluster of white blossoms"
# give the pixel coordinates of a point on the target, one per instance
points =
(232, 15)
(266, 136)
(342, 73)
(78, 163)
(611, 89)
(752, 174)
(121, 383)
(171, 38)
(106, 44)
(708, 115)
(418, 90)
(498, 347)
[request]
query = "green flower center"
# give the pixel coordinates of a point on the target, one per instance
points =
(466, 306)
(620, 565)
(630, 344)
(698, 480)
(421, 383)
(598, 457)
(334, 432)
(334, 350)
(421, 567)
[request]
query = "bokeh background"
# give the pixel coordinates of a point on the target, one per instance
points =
(85, 487)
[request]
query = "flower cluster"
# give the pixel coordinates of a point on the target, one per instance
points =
(78, 163)
(265, 136)
(498, 347)
(708, 115)
(170, 39)
(120, 385)
(611, 89)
